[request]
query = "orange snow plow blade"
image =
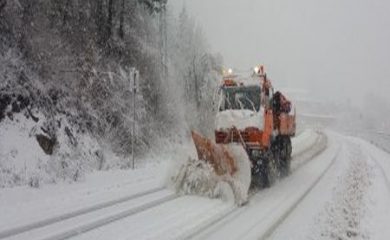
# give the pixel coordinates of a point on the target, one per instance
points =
(216, 154)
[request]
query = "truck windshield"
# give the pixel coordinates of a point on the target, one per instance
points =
(243, 97)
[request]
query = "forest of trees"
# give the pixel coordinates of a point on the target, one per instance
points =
(73, 59)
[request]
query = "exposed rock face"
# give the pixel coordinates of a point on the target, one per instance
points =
(47, 144)
(12, 103)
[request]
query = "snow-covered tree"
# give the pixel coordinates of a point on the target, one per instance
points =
(71, 60)
(198, 71)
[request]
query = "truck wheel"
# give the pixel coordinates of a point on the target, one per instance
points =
(285, 160)
(271, 170)
(257, 174)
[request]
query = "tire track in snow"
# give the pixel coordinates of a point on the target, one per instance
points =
(382, 170)
(305, 157)
(57, 219)
(302, 158)
(93, 224)
(322, 144)
(309, 153)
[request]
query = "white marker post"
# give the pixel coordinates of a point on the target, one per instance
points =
(134, 81)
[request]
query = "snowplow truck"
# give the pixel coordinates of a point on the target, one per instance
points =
(252, 115)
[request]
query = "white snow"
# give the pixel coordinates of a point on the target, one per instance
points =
(346, 184)
(196, 177)
(19, 151)
(171, 220)
(268, 206)
(350, 202)
(21, 206)
(23, 161)
(81, 223)
(239, 118)
(305, 140)
(242, 178)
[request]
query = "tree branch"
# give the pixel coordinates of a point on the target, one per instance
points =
(2, 4)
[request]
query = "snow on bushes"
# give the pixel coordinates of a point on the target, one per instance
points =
(24, 161)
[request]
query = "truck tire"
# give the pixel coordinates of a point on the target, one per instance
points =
(285, 155)
(271, 170)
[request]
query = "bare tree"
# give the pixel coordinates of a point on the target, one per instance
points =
(121, 32)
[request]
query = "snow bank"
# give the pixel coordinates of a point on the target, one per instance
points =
(240, 119)
(23, 161)
(242, 178)
(20, 153)
(304, 141)
(196, 177)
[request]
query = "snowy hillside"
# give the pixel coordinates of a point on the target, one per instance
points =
(67, 102)
(202, 120)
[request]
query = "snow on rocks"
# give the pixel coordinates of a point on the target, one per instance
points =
(26, 160)
(20, 152)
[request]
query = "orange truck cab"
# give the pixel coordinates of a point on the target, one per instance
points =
(264, 128)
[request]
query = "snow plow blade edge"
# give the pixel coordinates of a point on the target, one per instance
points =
(215, 154)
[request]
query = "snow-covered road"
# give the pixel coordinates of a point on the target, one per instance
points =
(23, 208)
(339, 187)
(352, 201)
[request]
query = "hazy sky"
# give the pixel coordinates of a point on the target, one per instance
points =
(337, 49)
